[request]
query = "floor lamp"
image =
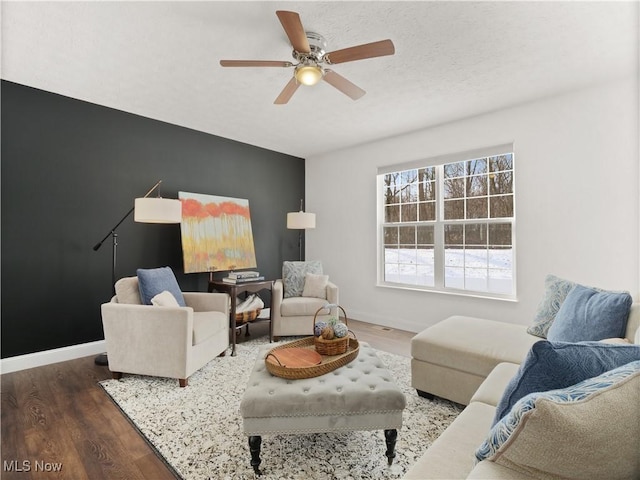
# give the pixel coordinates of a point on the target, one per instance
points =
(300, 221)
(147, 210)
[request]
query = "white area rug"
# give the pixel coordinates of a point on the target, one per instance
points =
(198, 429)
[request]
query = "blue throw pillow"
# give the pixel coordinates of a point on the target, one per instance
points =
(156, 280)
(590, 315)
(549, 366)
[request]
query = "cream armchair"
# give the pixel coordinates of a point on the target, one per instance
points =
(293, 316)
(164, 341)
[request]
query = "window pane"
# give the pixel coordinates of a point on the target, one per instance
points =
(425, 276)
(454, 209)
(454, 188)
(501, 258)
(475, 257)
(390, 235)
(453, 235)
(475, 234)
(501, 162)
(501, 183)
(454, 170)
(409, 176)
(477, 207)
(500, 234)
(425, 235)
(454, 277)
(392, 213)
(409, 193)
(390, 255)
(409, 212)
(454, 257)
(425, 174)
(425, 256)
(408, 235)
(477, 186)
(427, 211)
(407, 255)
(391, 273)
(426, 191)
(474, 167)
(502, 206)
(407, 274)
(476, 279)
(500, 281)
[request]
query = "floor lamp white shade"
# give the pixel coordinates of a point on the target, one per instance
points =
(301, 220)
(157, 210)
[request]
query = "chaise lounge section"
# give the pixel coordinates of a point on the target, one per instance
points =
(472, 361)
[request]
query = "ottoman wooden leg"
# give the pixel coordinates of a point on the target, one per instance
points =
(391, 436)
(254, 447)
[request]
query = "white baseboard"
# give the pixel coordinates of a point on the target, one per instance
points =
(38, 359)
(382, 321)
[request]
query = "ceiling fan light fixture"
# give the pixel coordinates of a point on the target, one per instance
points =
(308, 74)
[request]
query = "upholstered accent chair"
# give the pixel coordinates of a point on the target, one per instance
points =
(164, 339)
(297, 296)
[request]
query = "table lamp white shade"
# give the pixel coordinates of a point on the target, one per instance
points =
(301, 220)
(157, 210)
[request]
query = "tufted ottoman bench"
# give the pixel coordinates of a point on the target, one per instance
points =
(358, 396)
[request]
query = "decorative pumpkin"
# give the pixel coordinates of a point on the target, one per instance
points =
(328, 333)
(340, 330)
(319, 326)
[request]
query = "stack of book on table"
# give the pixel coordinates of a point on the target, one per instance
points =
(243, 277)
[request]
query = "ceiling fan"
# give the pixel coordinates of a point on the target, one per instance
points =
(311, 59)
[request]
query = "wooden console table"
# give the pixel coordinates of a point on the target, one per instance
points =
(234, 290)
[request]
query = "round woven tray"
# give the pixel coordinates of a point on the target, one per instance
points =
(329, 363)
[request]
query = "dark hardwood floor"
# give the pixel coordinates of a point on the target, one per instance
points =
(57, 423)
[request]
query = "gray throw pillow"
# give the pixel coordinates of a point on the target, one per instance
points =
(556, 290)
(293, 274)
(156, 280)
(589, 315)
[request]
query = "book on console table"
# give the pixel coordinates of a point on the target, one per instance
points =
(236, 281)
(247, 274)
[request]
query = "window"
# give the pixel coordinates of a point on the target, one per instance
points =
(450, 226)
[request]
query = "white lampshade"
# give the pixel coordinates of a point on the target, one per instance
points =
(157, 210)
(301, 220)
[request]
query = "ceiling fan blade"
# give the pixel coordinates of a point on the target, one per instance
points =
(287, 92)
(360, 52)
(295, 31)
(342, 84)
(254, 63)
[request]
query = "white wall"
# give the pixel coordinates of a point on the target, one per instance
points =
(577, 204)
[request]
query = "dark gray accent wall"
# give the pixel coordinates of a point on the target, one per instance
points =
(71, 170)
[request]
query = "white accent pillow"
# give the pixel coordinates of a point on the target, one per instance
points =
(164, 299)
(315, 285)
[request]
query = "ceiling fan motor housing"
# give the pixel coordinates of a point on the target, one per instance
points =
(317, 45)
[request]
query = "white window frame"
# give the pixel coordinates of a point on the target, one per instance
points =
(439, 223)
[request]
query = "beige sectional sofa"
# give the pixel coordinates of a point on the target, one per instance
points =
(471, 361)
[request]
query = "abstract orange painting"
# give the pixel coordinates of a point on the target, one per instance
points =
(216, 233)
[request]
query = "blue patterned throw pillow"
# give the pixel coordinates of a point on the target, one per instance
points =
(293, 274)
(590, 315)
(503, 434)
(553, 365)
(156, 280)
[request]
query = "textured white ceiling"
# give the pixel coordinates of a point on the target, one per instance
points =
(453, 60)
